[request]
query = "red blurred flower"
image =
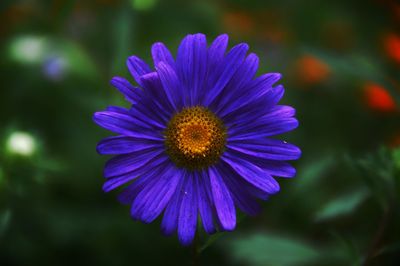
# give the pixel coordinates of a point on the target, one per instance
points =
(378, 98)
(391, 44)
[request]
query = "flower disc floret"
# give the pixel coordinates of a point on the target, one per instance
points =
(195, 138)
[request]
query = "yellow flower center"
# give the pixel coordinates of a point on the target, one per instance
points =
(195, 138)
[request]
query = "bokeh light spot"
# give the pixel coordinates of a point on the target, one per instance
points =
(143, 5)
(28, 49)
(21, 143)
(55, 67)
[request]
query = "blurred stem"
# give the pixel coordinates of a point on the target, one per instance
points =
(379, 234)
(195, 250)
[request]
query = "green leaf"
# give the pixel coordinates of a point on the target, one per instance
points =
(266, 249)
(210, 240)
(396, 158)
(344, 250)
(342, 205)
(1, 177)
(378, 172)
(5, 218)
(78, 60)
(312, 171)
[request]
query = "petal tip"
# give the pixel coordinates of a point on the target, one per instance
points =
(106, 187)
(96, 117)
(99, 148)
(243, 46)
(229, 227)
(185, 240)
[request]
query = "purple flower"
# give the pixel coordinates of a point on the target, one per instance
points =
(197, 140)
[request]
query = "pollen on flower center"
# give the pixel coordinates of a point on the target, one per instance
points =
(195, 138)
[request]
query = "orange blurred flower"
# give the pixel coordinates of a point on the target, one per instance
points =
(396, 10)
(275, 34)
(378, 98)
(311, 70)
(394, 141)
(391, 44)
(14, 15)
(238, 22)
(271, 25)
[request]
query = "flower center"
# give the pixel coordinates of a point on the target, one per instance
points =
(195, 138)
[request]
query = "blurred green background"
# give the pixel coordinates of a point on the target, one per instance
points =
(340, 62)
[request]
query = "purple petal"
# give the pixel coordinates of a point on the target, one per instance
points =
(118, 180)
(152, 114)
(240, 191)
(137, 67)
(130, 192)
(171, 84)
(188, 213)
(274, 168)
(260, 130)
(252, 173)
(169, 223)
(124, 124)
(123, 145)
(282, 111)
(217, 49)
(258, 89)
(132, 94)
(244, 186)
(191, 62)
(223, 201)
(124, 163)
(161, 53)
(146, 115)
(204, 202)
(215, 58)
(258, 108)
(272, 114)
(240, 79)
(156, 95)
(152, 200)
(118, 109)
(231, 63)
(269, 149)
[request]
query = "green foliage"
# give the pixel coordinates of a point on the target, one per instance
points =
(342, 205)
(342, 208)
(5, 218)
(312, 171)
(396, 159)
(267, 249)
(380, 173)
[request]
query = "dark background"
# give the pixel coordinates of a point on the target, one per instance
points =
(340, 62)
